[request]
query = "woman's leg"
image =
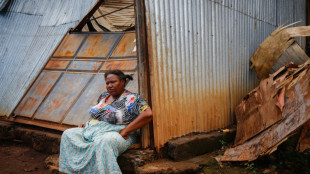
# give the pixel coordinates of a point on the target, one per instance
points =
(69, 139)
(108, 147)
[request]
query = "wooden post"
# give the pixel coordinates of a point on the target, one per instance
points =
(143, 65)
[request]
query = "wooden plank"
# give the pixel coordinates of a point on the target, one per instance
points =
(40, 123)
(304, 140)
(258, 110)
(147, 138)
(296, 113)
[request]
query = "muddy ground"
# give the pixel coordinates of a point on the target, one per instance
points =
(17, 158)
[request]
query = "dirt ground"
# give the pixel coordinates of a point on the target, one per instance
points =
(17, 158)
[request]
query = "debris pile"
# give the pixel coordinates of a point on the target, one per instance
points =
(278, 49)
(274, 110)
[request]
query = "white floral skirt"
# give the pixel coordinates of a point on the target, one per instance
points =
(93, 149)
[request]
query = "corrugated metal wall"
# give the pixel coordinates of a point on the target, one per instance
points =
(29, 32)
(199, 54)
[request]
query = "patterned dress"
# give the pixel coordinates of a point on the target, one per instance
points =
(95, 148)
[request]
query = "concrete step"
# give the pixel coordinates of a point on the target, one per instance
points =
(187, 147)
(168, 167)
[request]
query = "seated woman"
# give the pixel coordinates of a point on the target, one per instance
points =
(94, 148)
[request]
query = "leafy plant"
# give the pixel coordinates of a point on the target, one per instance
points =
(250, 166)
(223, 143)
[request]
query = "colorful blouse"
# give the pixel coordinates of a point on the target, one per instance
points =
(121, 111)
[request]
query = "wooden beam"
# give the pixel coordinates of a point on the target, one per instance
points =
(45, 124)
(87, 17)
(143, 66)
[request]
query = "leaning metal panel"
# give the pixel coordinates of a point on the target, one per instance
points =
(73, 78)
(62, 97)
(37, 93)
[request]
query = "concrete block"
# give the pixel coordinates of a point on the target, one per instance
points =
(193, 145)
(134, 158)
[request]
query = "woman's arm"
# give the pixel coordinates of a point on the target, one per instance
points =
(144, 118)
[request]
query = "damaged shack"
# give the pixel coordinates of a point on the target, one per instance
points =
(189, 59)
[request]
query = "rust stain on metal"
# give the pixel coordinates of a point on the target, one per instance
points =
(98, 45)
(57, 64)
(69, 45)
(128, 65)
(62, 97)
(85, 65)
(126, 46)
(36, 93)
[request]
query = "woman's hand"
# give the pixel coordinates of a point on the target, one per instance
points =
(123, 133)
(82, 125)
(144, 118)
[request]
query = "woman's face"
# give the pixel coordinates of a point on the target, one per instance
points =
(114, 85)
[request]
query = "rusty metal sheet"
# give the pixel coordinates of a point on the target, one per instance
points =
(37, 93)
(69, 45)
(62, 97)
(78, 114)
(124, 65)
(57, 64)
(98, 45)
(85, 65)
(126, 46)
(67, 100)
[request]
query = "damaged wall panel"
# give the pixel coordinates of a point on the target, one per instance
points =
(73, 78)
(29, 32)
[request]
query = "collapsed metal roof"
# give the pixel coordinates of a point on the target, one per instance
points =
(29, 32)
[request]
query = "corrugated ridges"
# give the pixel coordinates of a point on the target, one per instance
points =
(199, 59)
(29, 32)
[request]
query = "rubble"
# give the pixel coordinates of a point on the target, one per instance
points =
(271, 112)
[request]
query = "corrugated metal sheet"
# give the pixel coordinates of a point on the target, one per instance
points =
(199, 58)
(29, 31)
(73, 78)
(3, 4)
